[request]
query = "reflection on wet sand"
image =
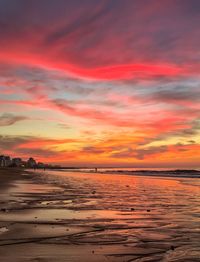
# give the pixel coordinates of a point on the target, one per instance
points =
(58, 216)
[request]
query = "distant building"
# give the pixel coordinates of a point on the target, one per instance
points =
(8, 161)
(40, 165)
(31, 163)
(5, 161)
(2, 161)
(17, 162)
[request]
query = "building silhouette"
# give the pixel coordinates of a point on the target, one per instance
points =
(17, 162)
(5, 161)
(31, 163)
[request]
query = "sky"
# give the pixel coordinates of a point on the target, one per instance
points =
(101, 83)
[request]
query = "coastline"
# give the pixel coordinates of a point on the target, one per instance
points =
(174, 173)
(164, 174)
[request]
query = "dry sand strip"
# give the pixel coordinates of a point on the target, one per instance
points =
(10, 175)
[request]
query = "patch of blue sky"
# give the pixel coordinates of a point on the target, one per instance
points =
(15, 96)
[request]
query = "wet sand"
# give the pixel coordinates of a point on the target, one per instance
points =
(68, 216)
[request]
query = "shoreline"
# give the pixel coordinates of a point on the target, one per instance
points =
(161, 174)
(172, 173)
(176, 173)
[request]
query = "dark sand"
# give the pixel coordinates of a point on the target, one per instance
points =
(68, 216)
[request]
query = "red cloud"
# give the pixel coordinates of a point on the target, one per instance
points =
(143, 41)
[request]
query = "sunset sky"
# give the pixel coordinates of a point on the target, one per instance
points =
(107, 83)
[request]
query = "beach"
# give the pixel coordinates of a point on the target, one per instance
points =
(80, 216)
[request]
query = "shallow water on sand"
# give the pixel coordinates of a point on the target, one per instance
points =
(74, 216)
